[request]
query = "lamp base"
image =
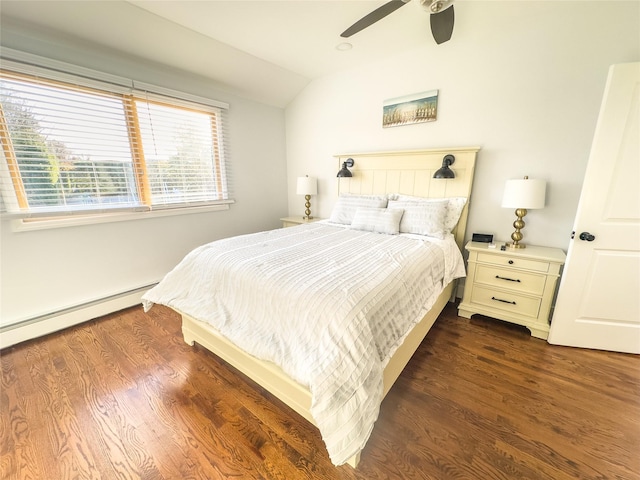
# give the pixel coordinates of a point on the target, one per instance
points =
(518, 225)
(307, 206)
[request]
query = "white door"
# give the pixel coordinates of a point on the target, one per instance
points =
(598, 304)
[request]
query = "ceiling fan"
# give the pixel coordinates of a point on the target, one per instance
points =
(441, 18)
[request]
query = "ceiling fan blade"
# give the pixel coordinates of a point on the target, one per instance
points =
(378, 14)
(442, 25)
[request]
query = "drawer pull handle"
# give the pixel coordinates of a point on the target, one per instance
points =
(510, 262)
(509, 279)
(503, 301)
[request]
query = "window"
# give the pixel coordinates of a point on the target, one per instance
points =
(78, 146)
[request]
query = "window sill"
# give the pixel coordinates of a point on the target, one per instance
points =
(27, 225)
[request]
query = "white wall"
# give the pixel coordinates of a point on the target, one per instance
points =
(522, 80)
(46, 271)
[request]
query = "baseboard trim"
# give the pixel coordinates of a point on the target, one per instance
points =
(45, 324)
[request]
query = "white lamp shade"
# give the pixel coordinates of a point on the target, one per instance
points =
(307, 186)
(524, 193)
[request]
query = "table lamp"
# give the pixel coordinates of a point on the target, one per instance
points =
(522, 195)
(307, 186)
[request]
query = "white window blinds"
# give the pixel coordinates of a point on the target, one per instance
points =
(69, 147)
(181, 152)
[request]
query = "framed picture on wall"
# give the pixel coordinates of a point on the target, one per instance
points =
(410, 109)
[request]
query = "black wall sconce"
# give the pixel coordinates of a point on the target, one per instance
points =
(445, 171)
(344, 171)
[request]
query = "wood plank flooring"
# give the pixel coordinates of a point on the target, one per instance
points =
(123, 397)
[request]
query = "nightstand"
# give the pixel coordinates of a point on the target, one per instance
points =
(515, 285)
(293, 221)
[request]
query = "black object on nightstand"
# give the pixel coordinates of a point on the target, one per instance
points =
(482, 238)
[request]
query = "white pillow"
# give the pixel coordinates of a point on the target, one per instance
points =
(347, 204)
(422, 218)
(453, 209)
(377, 220)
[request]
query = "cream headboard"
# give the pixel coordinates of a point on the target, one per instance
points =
(411, 173)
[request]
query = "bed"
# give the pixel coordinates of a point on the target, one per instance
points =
(283, 266)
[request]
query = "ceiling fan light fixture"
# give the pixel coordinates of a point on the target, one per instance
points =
(344, 46)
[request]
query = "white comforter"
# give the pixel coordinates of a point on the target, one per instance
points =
(328, 304)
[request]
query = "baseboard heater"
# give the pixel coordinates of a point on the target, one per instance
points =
(52, 322)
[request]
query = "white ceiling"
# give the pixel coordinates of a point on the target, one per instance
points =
(264, 49)
(300, 36)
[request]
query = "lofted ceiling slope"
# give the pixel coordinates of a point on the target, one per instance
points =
(264, 50)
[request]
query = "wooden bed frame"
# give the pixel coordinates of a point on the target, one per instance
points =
(406, 172)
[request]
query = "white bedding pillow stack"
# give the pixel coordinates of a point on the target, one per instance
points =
(422, 218)
(434, 217)
(453, 208)
(377, 220)
(347, 204)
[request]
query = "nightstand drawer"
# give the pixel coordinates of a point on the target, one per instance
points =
(513, 262)
(515, 280)
(506, 301)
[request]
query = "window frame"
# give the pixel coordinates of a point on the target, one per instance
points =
(14, 198)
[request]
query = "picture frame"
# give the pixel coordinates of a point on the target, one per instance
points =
(410, 109)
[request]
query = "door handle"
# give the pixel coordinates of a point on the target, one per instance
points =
(587, 236)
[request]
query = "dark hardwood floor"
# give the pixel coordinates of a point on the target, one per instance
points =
(124, 397)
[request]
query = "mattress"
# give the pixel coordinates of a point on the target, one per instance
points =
(327, 304)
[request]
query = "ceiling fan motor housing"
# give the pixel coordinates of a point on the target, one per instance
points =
(436, 6)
